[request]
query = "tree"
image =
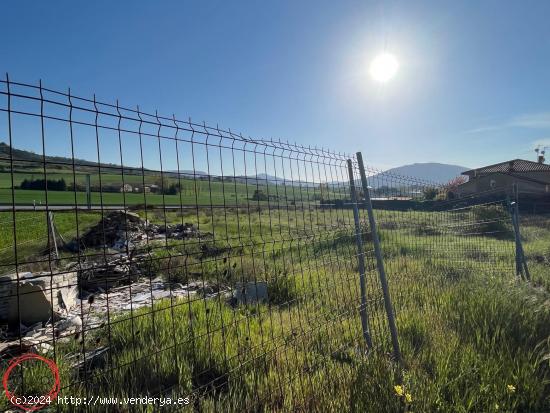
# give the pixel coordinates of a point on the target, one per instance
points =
(259, 195)
(167, 186)
(430, 193)
(451, 186)
(41, 184)
(61, 185)
(173, 189)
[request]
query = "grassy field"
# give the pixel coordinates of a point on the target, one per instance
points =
(474, 339)
(193, 191)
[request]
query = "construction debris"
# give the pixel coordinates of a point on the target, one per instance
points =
(45, 308)
(29, 298)
(92, 310)
(143, 293)
(123, 230)
(70, 325)
(96, 358)
(130, 297)
(180, 231)
(106, 275)
(118, 229)
(251, 292)
(11, 349)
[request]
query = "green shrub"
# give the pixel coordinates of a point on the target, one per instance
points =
(259, 195)
(492, 220)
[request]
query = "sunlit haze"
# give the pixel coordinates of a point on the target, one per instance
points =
(384, 67)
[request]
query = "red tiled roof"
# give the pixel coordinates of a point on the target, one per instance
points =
(515, 165)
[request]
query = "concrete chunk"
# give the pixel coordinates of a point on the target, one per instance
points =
(34, 297)
(251, 292)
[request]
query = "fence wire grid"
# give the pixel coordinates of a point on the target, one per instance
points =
(151, 256)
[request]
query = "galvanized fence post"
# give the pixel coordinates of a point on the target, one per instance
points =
(360, 259)
(380, 262)
(521, 263)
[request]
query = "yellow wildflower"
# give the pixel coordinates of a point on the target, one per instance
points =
(408, 398)
(399, 390)
(497, 406)
(511, 388)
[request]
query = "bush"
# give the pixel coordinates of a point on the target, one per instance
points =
(259, 195)
(492, 220)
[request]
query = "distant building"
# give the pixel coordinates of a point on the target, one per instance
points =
(126, 188)
(140, 189)
(525, 177)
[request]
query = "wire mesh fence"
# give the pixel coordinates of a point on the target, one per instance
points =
(431, 240)
(534, 227)
(149, 256)
(190, 261)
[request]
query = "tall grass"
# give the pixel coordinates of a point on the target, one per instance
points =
(473, 338)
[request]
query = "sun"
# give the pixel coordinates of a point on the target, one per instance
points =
(384, 67)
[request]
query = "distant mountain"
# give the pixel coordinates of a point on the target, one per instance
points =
(28, 156)
(186, 172)
(263, 178)
(24, 158)
(269, 178)
(431, 171)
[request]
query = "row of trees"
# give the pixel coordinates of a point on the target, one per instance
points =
(61, 185)
(42, 184)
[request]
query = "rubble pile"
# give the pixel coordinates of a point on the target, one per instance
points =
(143, 293)
(91, 310)
(180, 231)
(117, 229)
(123, 229)
(105, 275)
(47, 307)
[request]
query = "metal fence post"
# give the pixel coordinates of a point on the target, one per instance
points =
(51, 233)
(360, 259)
(380, 262)
(521, 263)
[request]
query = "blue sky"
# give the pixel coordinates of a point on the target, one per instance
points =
(473, 86)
